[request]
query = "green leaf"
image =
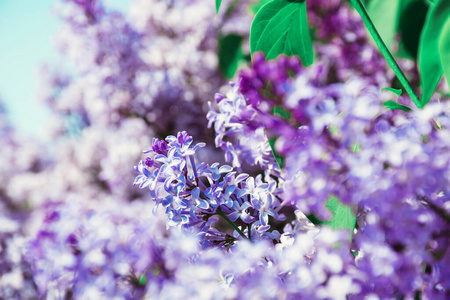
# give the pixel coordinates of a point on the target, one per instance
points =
(385, 16)
(355, 147)
(281, 112)
(392, 105)
(444, 49)
(143, 280)
(218, 2)
(278, 158)
(430, 67)
(403, 17)
(256, 6)
(281, 27)
(343, 216)
(398, 92)
(411, 21)
(230, 54)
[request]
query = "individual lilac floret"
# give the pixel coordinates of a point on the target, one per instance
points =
(193, 193)
(251, 146)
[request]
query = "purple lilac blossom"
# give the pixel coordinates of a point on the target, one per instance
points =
(145, 64)
(340, 141)
(303, 265)
(134, 76)
(116, 94)
(343, 50)
(105, 251)
(83, 250)
(231, 137)
(193, 193)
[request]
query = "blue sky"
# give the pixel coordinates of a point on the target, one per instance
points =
(26, 28)
(26, 31)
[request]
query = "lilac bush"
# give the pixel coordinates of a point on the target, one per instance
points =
(317, 188)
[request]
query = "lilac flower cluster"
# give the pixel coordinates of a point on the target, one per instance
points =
(74, 227)
(343, 48)
(132, 76)
(192, 193)
(124, 252)
(294, 270)
(143, 64)
(86, 251)
(238, 113)
(338, 140)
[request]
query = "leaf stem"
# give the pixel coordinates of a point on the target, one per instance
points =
(385, 51)
(220, 213)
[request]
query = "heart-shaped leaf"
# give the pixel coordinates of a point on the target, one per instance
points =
(255, 7)
(281, 27)
(430, 67)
